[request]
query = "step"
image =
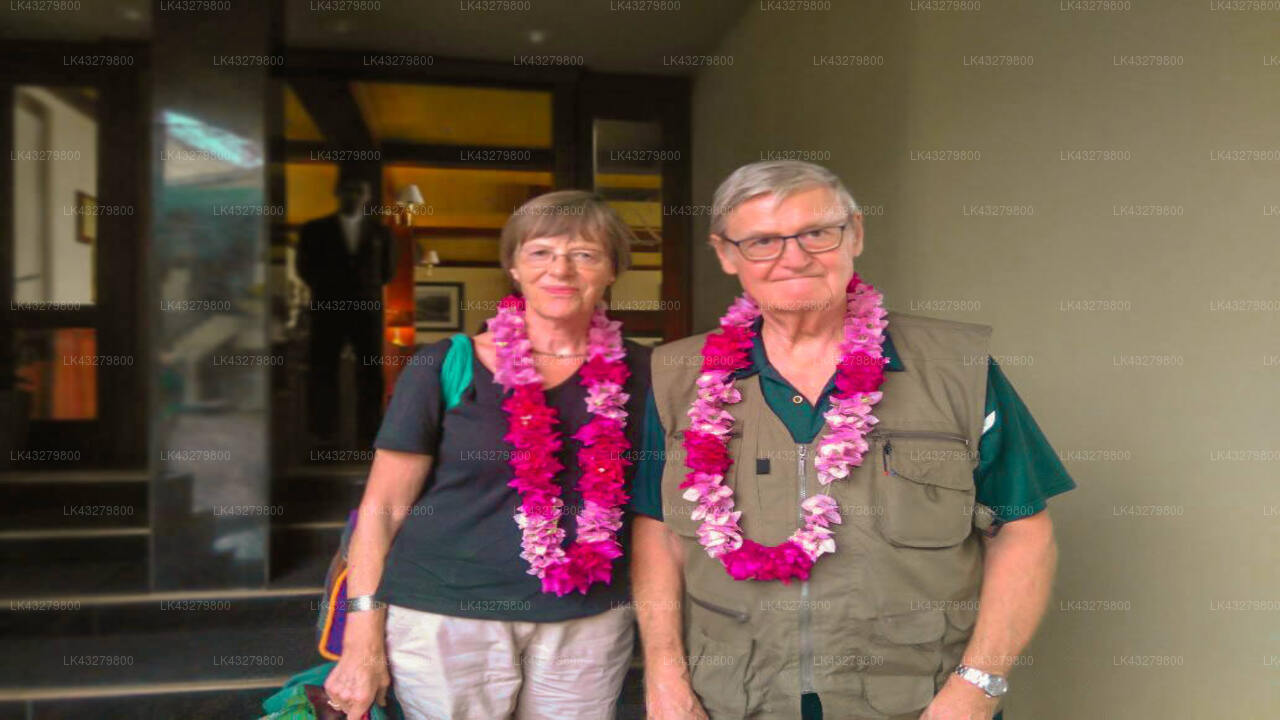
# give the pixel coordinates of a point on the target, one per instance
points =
(78, 647)
(323, 493)
(220, 699)
(240, 699)
(234, 653)
(300, 553)
(315, 503)
(73, 500)
(97, 614)
(75, 562)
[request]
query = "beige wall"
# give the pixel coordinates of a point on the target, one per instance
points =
(1172, 428)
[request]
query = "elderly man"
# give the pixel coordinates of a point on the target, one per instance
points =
(840, 510)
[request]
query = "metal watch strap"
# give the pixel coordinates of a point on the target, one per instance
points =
(989, 683)
(364, 602)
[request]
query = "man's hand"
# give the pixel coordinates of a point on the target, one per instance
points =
(657, 583)
(960, 700)
(672, 699)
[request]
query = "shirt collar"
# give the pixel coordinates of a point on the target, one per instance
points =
(760, 360)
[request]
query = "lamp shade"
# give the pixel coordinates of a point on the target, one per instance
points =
(410, 195)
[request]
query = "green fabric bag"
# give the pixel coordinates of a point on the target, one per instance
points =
(290, 702)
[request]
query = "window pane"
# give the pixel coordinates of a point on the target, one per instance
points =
(55, 190)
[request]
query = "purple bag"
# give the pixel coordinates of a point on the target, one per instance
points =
(333, 607)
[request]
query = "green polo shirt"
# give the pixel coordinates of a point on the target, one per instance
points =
(1018, 470)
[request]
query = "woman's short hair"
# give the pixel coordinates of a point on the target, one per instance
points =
(780, 178)
(567, 212)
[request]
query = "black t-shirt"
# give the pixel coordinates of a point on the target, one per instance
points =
(458, 552)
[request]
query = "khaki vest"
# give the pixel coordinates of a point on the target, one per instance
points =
(881, 623)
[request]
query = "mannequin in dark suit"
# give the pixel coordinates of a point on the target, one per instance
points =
(346, 258)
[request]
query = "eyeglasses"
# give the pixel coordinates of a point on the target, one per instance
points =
(817, 240)
(541, 257)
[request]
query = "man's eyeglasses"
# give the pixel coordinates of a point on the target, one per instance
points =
(817, 240)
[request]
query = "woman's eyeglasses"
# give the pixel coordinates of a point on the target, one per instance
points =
(539, 257)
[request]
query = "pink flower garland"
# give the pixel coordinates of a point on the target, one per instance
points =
(531, 429)
(858, 379)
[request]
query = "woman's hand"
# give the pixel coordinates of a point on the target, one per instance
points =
(361, 677)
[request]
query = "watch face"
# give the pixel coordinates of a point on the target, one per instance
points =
(997, 685)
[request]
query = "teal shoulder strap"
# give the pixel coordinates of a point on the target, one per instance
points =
(455, 372)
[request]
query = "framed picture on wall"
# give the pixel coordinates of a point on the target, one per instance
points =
(86, 218)
(438, 305)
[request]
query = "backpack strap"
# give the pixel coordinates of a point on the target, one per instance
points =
(456, 370)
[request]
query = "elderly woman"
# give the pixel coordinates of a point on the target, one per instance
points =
(808, 484)
(487, 566)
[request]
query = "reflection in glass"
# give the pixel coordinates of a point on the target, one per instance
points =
(57, 366)
(627, 172)
(55, 190)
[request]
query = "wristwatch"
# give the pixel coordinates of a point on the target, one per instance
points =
(992, 685)
(364, 602)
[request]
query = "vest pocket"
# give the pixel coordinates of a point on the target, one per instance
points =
(718, 672)
(738, 615)
(898, 694)
(925, 487)
(906, 644)
(961, 618)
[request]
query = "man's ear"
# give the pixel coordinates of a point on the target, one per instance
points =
(724, 252)
(855, 229)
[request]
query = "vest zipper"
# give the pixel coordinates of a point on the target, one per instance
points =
(739, 616)
(806, 639)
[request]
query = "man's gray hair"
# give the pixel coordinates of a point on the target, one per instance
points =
(779, 178)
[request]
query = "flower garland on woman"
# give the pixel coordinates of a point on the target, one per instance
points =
(858, 378)
(532, 430)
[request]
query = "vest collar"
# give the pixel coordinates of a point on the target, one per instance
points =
(760, 361)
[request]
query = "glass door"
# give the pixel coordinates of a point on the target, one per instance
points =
(636, 154)
(69, 375)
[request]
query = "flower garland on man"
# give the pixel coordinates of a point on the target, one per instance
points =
(859, 375)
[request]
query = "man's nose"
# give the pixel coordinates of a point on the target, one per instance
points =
(794, 256)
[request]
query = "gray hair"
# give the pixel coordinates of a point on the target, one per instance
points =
(567, 212)
(780, 178)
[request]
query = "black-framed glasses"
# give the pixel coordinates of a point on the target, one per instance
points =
(769, 247)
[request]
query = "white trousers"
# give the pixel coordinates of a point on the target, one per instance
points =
(453, 668)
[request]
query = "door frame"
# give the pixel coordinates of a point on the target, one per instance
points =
(117, 437)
